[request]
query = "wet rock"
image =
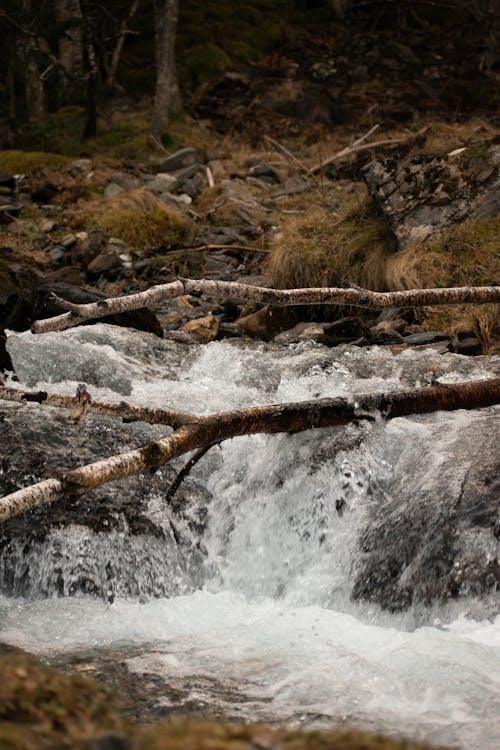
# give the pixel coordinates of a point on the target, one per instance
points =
(426, 337)
(267, 322)
(302, 332)
(203, 329)
(184, 157)
(443, 543)
(425, 194)
(97, 543)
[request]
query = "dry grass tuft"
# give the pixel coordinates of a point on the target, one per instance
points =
(317, 249)
(141, 220)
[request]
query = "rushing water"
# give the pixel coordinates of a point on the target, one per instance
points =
(270, 612)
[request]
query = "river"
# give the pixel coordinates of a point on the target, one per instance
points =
(264, 606)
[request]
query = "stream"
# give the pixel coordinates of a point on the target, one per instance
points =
(275, 604)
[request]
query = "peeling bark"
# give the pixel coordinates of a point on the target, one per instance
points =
(287, 417)
(323, 295)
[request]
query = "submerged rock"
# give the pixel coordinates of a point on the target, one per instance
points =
(115, 541)
(442, 542)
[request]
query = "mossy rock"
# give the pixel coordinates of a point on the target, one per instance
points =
(23, 162)
(142, 221)
(204, 62)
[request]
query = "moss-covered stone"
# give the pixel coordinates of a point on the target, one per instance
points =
(142, 221)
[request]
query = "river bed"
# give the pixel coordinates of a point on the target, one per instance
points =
(267, 628)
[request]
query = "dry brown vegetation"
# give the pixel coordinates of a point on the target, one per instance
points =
(317, 249)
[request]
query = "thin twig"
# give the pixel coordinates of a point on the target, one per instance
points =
(186, 470)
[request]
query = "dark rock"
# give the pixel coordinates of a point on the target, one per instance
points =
(118, 537)
(184, 157)
(42, 306)
(469, 346)
(8, 212)
(384, 336)
(267, 322)
(426, 337)
(344, 331)
(425, 194)
(264, 169)
(443, 543)
(7, 181)
(5, 360)
(105, 261)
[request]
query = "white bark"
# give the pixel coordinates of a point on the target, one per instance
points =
(289, 417)
(322, 295)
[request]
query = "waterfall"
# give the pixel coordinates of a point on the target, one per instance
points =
(338, 574)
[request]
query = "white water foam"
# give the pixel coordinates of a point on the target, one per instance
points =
(274, 616)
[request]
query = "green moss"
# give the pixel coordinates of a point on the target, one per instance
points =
(23, 162)
(203, 63)
(143, 228)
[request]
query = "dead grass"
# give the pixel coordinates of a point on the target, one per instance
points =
(467, 255)
(140, 219)
(319, 249)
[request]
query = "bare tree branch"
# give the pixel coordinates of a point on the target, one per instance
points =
(322, 295)
(288, 417)
(84, 401)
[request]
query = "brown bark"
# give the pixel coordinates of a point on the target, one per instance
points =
(289, 417)
(322, 295)
(166, 96)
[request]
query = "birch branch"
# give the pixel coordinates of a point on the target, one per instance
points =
(83, 403)
(288, 417)
(353, 296)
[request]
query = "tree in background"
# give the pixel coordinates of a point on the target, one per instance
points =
(167, 96)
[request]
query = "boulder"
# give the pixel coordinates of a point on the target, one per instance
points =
(422, 195)
(444, 541)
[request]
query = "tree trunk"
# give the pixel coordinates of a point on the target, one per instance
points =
(117, 51)
(34, 93)
(71, 42)
(166, 98)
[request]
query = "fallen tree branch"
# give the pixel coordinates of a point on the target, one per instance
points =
(84, 402)
(288, 417)
(353, 296)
